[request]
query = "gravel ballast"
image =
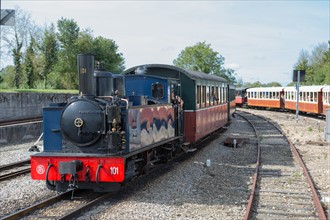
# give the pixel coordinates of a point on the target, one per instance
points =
(188, 190)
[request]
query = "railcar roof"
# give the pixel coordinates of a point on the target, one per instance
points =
(189, 73)
(305, 88)
(241, 88)
(265, 89)
(326, 88)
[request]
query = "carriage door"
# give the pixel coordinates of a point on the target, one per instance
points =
(177, 102)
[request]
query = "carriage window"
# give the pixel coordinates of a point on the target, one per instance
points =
(203, 96)
(198, 101)
(315, 96)
(207, 95)
(326, 97)
(211, 95)
(217, 95)
(221, 94)
(225, 93)
(157, 90)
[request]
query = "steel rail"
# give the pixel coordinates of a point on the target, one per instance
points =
(316, 199)
(15, 164)
(14, 174)
(20, 121)
(77, 211)
(255, 176)
(37, 206)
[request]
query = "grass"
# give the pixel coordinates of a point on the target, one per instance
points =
(310, 129)
(60, 91)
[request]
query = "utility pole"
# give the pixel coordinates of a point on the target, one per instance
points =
(298, 75)
(297, 103)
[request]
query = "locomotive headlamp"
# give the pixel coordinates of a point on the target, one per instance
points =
(78, 122)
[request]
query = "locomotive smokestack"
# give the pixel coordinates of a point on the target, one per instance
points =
(86, 74)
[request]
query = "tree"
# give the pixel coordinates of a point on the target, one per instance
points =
(201, 57)
(230, 75)
(316, 65)
(253, 85)
(273, 84)
(106, 50)
(7, 74)
(49, 50)
(29, 65)
(85, 42)
(16, 40)
(302, 63)
(67, 36)
(17, 55)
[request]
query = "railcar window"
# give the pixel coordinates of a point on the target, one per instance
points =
(203, 96)
(207, 96)
(217, 94)
(157, 90)
(212, 101)
(326, 97)
(315, 97)
(198, 101)
(225, 93)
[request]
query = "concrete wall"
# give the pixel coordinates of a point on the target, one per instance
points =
(24, 105)
(13, 135)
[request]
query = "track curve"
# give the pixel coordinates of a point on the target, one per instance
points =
(281, 187)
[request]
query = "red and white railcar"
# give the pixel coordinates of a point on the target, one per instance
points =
(310, 99)
(267, 97)
(240, 97)
(326, 98)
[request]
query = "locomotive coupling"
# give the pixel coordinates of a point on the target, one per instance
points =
(71, 167)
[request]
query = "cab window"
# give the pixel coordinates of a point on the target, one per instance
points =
(157, 90)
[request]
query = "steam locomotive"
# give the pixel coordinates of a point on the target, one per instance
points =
(121, 125)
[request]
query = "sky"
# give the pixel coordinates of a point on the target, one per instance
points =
(260, 40)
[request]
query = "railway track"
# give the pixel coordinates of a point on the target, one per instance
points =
(61, 206)
(15, 169)
(282, 188)
(15, 122)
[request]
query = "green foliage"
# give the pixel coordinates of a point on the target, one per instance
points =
(49, 49)
(229, 75)
(273, 84)
(201, 57)
(255, 84)
(67, 36)
(29, 65)
(85, 42)
(17, 55)
(105, 50)
(8, 75)
(316, 65)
